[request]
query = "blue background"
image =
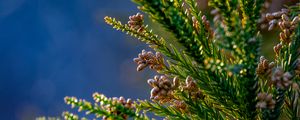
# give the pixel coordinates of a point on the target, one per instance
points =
(55, 48)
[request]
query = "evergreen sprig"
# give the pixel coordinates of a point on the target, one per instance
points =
(217, 69)
(174, 18)
(107, 108)
(183, 66)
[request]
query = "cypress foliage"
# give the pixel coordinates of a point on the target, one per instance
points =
(217, 72)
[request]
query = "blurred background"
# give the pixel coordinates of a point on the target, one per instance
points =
(55, 48)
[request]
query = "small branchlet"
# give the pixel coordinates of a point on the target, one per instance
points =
(119, 107)
(154, 61)
(175, 18)
(138, 31)
(113, 110)
(107, 108)
(265, 100)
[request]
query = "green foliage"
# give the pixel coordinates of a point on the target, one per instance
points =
(217, 68)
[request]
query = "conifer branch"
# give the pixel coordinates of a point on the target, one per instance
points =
(212, 79)
(107, 108)
(286, 57)
(183, 62)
